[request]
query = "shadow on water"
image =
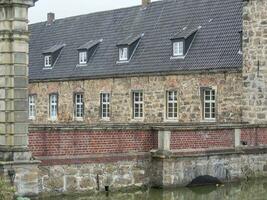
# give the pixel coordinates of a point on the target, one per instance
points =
(248, 190)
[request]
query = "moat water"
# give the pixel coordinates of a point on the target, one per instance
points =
(247, 190)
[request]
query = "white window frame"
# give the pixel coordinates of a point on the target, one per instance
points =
(178, 48)
(172, 103)
(123, 54)
(48, 61)
(105, 105)
(32, 107)
(82, 57)
(209, 107)
(138, 105)
(53, 106)
(79, 106)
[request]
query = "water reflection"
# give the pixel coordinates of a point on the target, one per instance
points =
(251, 190)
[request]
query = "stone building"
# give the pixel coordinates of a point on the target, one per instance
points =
(183, 77)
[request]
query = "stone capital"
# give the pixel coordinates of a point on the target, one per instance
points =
(27, 3)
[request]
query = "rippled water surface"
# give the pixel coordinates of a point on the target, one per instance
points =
(251, 190)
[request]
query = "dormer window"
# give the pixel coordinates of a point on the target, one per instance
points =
(178, 48)
(127, 47)
(86, 51)
(182, 41)
(51, 55)
(82, 57)
(123, 53)
(48, 61)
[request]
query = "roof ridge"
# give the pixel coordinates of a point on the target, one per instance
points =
(103, 11)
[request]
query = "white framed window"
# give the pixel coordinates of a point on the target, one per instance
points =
(172, 105)
(209, 104)
(178, 48)
(79, 106)
(82, 57)
(32, 107)
(123, 54)
(48, 61)
(138, 104)
(53, 106)
(105, 105)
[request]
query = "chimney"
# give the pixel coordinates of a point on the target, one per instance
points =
(50, 18)
(145, 3)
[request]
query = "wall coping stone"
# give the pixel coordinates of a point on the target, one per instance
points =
(142, 126)
(210, 152)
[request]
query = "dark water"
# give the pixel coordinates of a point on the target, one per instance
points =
(251, 190)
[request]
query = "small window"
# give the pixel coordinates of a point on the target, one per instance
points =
(53, 100)
(138, 104)
(209, 104)
(172, 105)
(178, 48)
(32, 107)
(123, 54)
(105, 102)
(79, 106)
(83, 57)
(48, 61)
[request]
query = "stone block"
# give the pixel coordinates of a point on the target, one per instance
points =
(20, 71)
(20, 82)
(71, 183)
(237, 137)
(20, 58)
(2, 105)
(164, 140)
(2, 116)
(20, 128)
(21, 140)
(20, 94)
(2, 140)
(87, 183)
(21, 105)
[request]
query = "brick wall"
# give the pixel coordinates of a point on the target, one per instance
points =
(255, 136)
(202, 139)
(77, 143)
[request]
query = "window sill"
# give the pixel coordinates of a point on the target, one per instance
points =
(209, 121)
(137, 120)
(79, 119)
(32, 118)
(52, 120)
(47, 68)
(105, 119)
(82, 65)
(177, 57)
(122, 61)
(171, 120)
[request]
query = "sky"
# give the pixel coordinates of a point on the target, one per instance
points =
(67, 8)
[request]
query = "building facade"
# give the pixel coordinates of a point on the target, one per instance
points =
(186, 78)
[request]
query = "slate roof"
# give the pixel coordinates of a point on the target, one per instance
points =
(216, 44)
(54, 48)
(89, 44)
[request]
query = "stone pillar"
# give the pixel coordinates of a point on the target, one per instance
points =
(255, 61)
(14, 39)
(237, 137)
(164, 139)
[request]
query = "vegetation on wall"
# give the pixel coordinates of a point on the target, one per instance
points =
(6, 190)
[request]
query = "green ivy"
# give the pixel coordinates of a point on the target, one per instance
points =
(6, 190)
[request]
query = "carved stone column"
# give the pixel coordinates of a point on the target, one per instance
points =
(15, 160)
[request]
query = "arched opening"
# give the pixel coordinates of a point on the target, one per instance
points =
(204, 180)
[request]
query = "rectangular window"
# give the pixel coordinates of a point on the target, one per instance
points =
(123, 54)
(32, 106)
(48, 61)
(209, 104)
(53, 101)
(138, 104)
(172, 105)
(79, 106)
(105, 105)
(178, 48)
(83, 57)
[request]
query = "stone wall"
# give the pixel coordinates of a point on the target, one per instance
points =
(180, 170)
(255, 61)
(95, 176)
(227, 85)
